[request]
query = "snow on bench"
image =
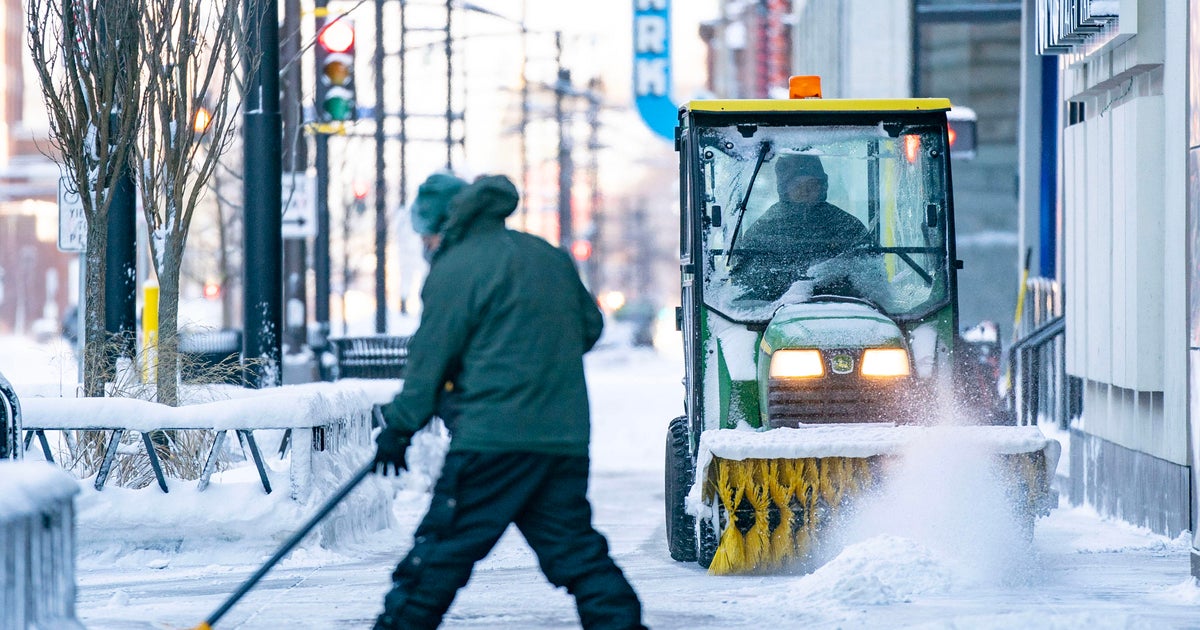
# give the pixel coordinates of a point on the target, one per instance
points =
(319, 418)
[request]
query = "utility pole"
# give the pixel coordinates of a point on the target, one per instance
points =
(524, 125)
(295, 163)
(562, 86)
(321, 266)
(381, 305)
(261, 186)
(403, 135)
(595, 89)
(449, 88)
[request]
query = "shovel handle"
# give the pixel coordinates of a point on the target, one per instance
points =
(291, 543)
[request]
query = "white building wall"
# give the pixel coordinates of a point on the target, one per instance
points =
(1175, 248)
(1123, 188)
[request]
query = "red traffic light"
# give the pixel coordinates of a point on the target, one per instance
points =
(361, 188)
(212, 290)
(337, 36)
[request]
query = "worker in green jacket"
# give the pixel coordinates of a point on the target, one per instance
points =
(499, 355)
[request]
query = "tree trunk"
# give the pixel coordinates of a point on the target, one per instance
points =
(168, 326)
(97, 369)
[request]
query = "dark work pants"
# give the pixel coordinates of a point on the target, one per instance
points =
(474, 501)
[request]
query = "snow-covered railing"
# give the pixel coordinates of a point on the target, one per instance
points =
(322, 418)
(37, 546)
(10, 421)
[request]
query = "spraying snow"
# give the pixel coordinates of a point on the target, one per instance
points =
(947, 497)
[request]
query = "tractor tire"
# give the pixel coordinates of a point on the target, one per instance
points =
(680, 471)
(706, 536)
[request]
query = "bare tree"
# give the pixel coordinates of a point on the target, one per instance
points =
(191, 56)
(85, 53)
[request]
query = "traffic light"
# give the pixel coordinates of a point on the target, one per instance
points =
(361, 189)
(335, 50)
(212, 290)
(581, 250)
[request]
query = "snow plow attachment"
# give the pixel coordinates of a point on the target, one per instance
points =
(767, 501)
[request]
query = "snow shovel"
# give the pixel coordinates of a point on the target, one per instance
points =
(287, 547)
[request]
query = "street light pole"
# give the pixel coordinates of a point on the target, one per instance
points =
(403, 131)
(295, 162)
(449, 88)
(261, 189)
(524, 117)
(321, 263)
(381, 305)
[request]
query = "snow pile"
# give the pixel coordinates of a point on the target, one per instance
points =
(878, 571)
(1186, 593)
(29, 487)
(1035, 620)
(1118, 536)
(145, 528)
(234, 521)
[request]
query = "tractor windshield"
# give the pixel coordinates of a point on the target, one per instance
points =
(854, 211)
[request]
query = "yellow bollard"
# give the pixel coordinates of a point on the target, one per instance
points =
(150, 332)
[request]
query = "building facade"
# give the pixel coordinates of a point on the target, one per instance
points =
(37, 282)
(1129, 224)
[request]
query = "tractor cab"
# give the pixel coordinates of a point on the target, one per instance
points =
(818, 262)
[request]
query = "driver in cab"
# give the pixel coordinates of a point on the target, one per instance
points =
(796, 232)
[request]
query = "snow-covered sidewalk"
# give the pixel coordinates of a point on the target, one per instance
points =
(932, 558)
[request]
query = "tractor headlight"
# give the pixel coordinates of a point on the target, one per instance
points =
(885, 362)
(797, 364)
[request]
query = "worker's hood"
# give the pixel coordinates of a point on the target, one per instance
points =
(484, 203)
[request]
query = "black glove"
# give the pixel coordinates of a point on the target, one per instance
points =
(391, 445)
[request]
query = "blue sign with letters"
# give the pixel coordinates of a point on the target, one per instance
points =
(652, 66)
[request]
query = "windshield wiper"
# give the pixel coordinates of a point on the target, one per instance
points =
(741, 208)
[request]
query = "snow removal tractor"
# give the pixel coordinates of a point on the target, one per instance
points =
(820, 326)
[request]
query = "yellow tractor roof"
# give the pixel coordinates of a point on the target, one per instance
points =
(819, 105)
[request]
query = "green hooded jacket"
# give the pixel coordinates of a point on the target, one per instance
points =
(499, 351)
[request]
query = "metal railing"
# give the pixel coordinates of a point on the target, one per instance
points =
(1039, 386)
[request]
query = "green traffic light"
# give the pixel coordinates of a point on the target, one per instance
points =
(339, 108)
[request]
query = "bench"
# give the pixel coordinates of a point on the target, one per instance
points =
(371, 356)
